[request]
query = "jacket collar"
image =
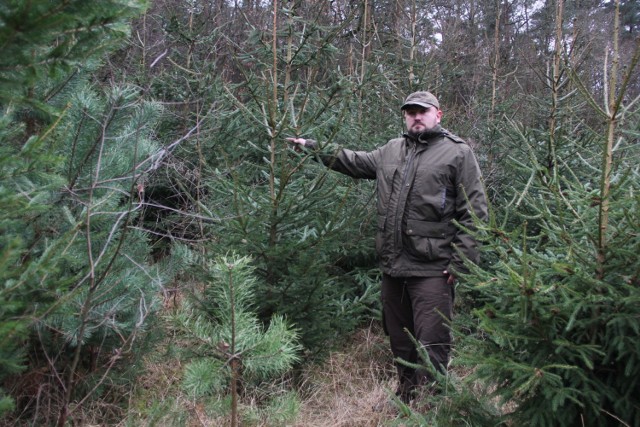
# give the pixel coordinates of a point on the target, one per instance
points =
(428, 136)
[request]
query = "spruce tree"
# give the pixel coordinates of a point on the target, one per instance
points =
(550, 341)
(308, 231)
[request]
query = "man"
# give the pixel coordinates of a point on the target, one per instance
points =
(426, 180)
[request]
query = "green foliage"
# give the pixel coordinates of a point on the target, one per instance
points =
(89, 280)
(78, 289)
(228, 342)
(310, 273)
(551, 334)
(282, 409)
(286, 212)
(82, 176)
(41, 39)
(555, 302)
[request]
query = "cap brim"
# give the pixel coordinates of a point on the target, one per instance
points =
(419, 104)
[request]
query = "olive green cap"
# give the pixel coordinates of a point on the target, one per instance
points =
(423, 99)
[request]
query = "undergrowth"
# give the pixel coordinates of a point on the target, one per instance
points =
(340, 391)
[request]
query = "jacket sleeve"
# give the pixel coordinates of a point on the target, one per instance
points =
(356, 164)
(470, 201)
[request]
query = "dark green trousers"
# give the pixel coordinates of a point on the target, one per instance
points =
(424, 306)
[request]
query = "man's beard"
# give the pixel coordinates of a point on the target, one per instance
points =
(426, 132)
(417, 133)
(423, 128)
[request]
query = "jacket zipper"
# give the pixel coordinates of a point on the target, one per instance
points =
(401, 204)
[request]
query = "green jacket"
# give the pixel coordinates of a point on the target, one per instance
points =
(422, 186)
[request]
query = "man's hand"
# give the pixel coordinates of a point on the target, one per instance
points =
(451, 279)
(297, 143)
(300, 141)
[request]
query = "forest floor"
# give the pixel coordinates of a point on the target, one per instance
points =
(342, 391)
(350, 383)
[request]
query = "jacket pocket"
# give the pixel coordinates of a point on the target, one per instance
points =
(429, 240)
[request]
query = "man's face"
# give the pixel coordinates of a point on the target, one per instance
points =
(419, 119)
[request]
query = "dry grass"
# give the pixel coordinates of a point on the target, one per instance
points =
(343, 391)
